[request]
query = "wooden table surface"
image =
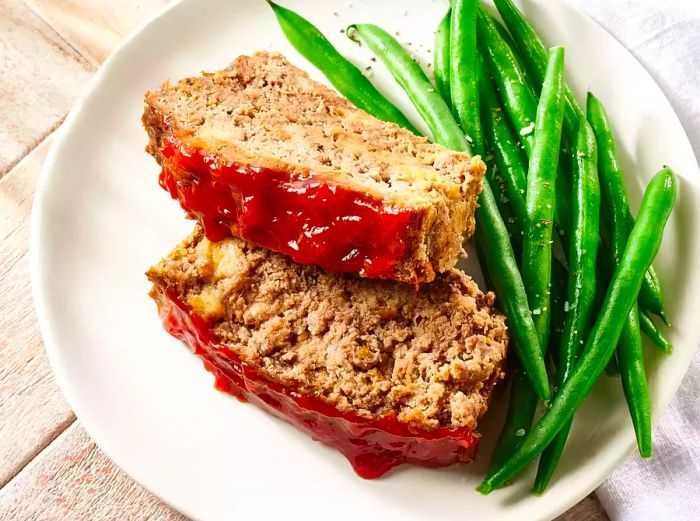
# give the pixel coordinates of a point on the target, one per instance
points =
(50, 469)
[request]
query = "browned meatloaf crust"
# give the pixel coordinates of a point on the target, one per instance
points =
(429, 357)
(261, 151)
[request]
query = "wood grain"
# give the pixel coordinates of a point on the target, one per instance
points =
(94, 27)
(32, 409)
(73, 480)
(40, 77)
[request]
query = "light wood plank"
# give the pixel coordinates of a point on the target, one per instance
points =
(40, 77)
(73, 479)
(32, 409)
(94, 27)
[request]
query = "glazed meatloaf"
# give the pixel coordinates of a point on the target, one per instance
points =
(380, 370)
(260, 151)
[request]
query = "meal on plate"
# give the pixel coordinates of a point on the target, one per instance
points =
(320, 282)
(381, 371)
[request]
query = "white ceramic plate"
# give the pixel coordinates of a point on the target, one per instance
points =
(100, 220)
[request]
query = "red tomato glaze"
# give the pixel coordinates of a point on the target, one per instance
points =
(304, 216)
(372, 446)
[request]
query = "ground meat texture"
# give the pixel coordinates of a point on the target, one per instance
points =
(428, 356)
(262, 117)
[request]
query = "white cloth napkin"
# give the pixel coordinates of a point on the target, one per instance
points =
(665, 37)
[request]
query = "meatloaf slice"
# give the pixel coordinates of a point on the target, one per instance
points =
(260, 151)
(377, 369)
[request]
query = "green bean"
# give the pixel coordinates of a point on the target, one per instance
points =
(508, 160)
(617, 225)
(533, 50)
(441, 58)
(651, 295)
(510, 167)
(492, 234)
(502, 169)
(413, 80)
(492, 237)
(582, 270)
(519, 416)
(518, 98)
(656, 336)
(601, 282)
(504, 208)
(534, 53)
(540, 199)
(522, 401)
(463, 71)
(519, 101)
(559, 306)
(617, 221)
(342, 74)
(509, 40)
(642, 246)
(630, 359)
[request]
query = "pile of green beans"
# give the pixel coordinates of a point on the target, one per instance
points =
(537, 250)
(580, 292)
(523, 401)
(616, 223)
(642, 246)
(511, 175)
(500, 93)
(630, 358)
(534, 53)
(519, 102)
